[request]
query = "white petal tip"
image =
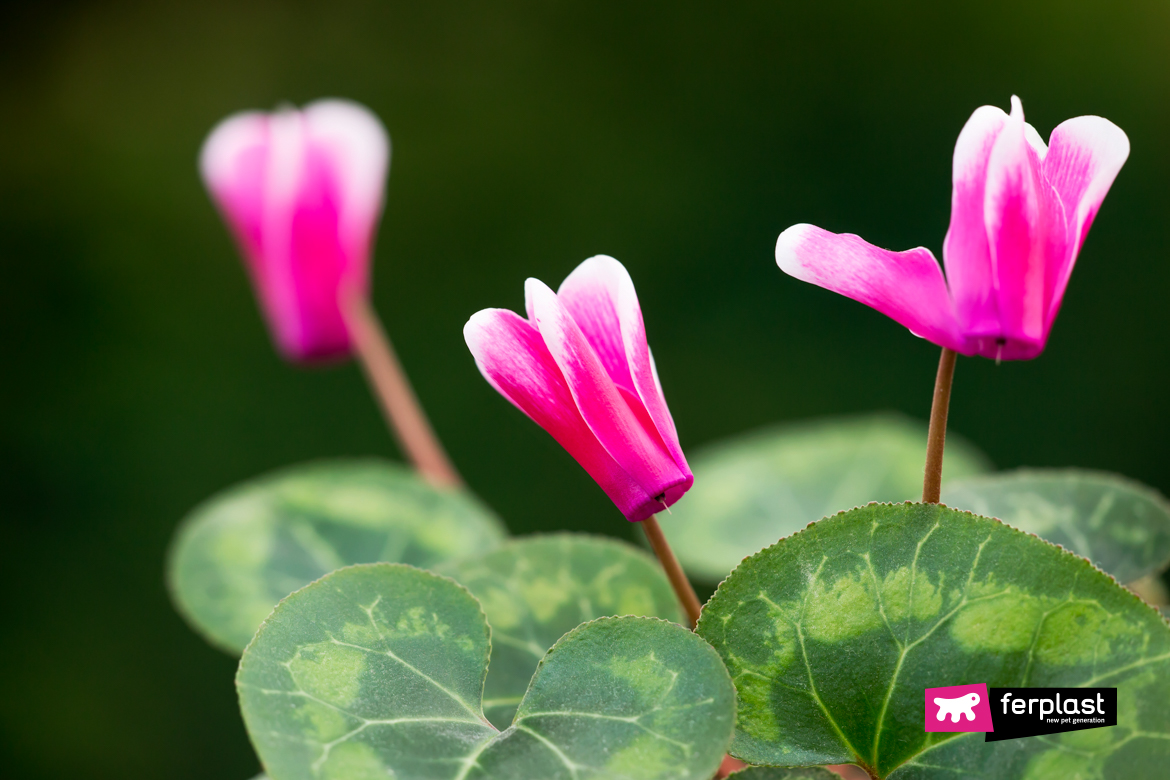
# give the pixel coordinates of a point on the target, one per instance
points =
(226, 141)
(601, 259)
(787, 245)
(476, 320)
(484, 328)
(598, 268)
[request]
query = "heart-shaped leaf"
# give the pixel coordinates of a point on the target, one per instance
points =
(783, 773)
(754, 489)
(1118, 524)
(248, 547)
(536, 589)
(376, 671)
(833, 634)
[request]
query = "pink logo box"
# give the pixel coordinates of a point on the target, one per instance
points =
(958, 708)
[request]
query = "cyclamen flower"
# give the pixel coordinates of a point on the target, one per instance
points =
(302, 192)
(579, 367)
(1020, 212)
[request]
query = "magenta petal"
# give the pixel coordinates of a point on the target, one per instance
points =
(965, 251)
(234, 166)
(623, 432)
(590, 294)
(303, 246)
(1025, 228)
(356, 150)
(513, 358)
(232, 163)
(1083, 159)
(906, 286)
(601, 299)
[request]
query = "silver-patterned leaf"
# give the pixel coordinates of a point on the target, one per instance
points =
(248, 547)
(1118, 524)
(376, 671)
(833, 634)
(536, 589)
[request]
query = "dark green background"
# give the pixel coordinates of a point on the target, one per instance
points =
(679, 137)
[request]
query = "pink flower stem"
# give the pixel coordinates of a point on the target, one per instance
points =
(730, 764)
(674, 573)
(392, 389)
(851, 772)
(936, 438)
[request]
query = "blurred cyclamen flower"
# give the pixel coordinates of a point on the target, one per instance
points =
(302, 192)
(579, 366)
(1020, 212)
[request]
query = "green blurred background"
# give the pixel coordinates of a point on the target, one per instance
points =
(680, 137)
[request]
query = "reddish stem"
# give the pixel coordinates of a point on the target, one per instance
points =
(730, 764)
(936, 438)
(674, 573)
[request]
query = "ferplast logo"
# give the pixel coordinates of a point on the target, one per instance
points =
(1031, 712)
(1013, 713)
(958, 708)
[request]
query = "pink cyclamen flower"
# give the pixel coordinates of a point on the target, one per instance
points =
(1020, 212)
(579, 367)
(302, 192)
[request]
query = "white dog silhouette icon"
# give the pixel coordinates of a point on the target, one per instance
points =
(953, 707)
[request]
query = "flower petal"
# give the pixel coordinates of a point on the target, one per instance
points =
(965, 251)
(357, 148)
(906, 286)
(511, 354)
(590, 294)
(601, 299)
(233, 163)
(1025, 228)
(1084, 158)
(623, 432)
(237, 162)
(303, 248)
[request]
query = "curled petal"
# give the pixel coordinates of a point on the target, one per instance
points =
(1084, 157)
(600, 297)
(511, 354)
(234, 164)
(965, 251)
(906, 286)
(590, 294)
(1025, 229)
(357, 150)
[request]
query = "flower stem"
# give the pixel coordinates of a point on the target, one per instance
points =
(674, 573)
(936, 438)
(392, 389)
(730, 764)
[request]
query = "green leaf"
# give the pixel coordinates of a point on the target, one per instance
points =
(1118, 524)
(751, 490)
(783, 773)
(376, 671)
(536, 589)
(833, 634)
(248, 547)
